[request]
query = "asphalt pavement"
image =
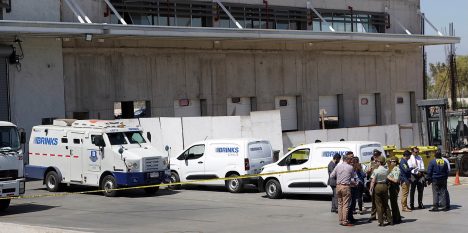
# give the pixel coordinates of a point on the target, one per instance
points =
(210, 209)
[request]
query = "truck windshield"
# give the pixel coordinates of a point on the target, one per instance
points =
(9, 139)
(135, 137)
(123, 138)
(116, 138)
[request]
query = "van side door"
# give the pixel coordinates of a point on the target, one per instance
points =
(296, 182)
(75, 142)
(321, 159)
(92, 158)
(193, 163)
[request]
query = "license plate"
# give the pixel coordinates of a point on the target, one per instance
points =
(154, 174)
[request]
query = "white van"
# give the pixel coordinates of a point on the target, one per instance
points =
(316, 155)
(104, 154)
(222, 158)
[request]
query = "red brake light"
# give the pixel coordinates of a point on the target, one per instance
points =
(246, 164)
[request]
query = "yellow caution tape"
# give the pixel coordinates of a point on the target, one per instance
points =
(162, 184)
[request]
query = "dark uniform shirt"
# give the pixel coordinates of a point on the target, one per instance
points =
(331, 167)
(405, 170)
(437, 170)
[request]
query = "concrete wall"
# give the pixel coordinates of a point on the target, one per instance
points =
(399, 135)
(36, 87)
(34, 10)
(99, 74)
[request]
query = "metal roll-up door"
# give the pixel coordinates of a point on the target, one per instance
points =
(4, 106)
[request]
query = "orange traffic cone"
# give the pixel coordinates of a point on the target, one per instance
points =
(457, 179)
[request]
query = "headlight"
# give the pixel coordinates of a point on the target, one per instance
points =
(132, 165)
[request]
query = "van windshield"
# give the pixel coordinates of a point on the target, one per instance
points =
(9, 139)
(123, 138)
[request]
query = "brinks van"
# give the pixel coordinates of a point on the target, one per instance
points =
(211, 159)
(104, 154)
(304, 157)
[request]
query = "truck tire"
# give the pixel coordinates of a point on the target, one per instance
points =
(464, 165)
(234, 185)
(273, 189)
(175, 179)
(109, 182)
(151, 191)
(52, 181)
(4, 204)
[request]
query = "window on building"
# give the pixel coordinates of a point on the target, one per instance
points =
(329, 112)
(208, 14)
(132, 109)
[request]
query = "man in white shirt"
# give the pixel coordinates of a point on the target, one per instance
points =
(416, 163)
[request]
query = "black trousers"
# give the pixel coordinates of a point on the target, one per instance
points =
(439, 190)
(334, 206)
(418, 184)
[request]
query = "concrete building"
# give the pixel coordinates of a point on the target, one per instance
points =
(348, 62)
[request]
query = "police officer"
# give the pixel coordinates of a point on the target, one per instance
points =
(376, 154)
(380, 189)
(394, 188)
(437, 174)
(332, 181)
(405, 178)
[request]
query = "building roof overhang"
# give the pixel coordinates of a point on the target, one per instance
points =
(66, 29)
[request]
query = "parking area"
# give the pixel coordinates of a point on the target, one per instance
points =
(208, 209)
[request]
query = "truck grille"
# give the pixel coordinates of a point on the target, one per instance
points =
(152, 164)
(8, 174)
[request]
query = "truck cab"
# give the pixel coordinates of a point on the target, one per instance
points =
(104, 154)
(12, 182)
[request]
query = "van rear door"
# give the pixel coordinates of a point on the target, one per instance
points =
(259, 154)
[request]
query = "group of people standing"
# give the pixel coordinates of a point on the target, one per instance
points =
(347, 178)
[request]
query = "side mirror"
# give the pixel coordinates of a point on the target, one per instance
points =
(167, 148)
(99, 141)
(23, 137)
(148, 135)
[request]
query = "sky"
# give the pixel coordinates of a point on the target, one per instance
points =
(441, 13)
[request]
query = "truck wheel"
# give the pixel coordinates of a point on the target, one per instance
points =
(464, 166)
(175, 179)
(107, 184)
(234, 185)
(273, 189)
(151, 191)
(52, 181)
(4, 204)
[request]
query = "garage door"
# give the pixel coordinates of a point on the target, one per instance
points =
(4, 108)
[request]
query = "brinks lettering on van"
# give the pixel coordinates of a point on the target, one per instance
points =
(227, 149)
(332, 153)
(255, 148)
(367, 153)
(46, 141)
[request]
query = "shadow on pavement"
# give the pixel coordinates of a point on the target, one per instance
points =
(306, 197)
(247, 188)
(25, 208)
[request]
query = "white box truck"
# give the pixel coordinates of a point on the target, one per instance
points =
(104, 154)
(306, 157)
(211, 159)
(12, 182)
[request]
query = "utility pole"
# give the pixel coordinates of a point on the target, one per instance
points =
(453, 71)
